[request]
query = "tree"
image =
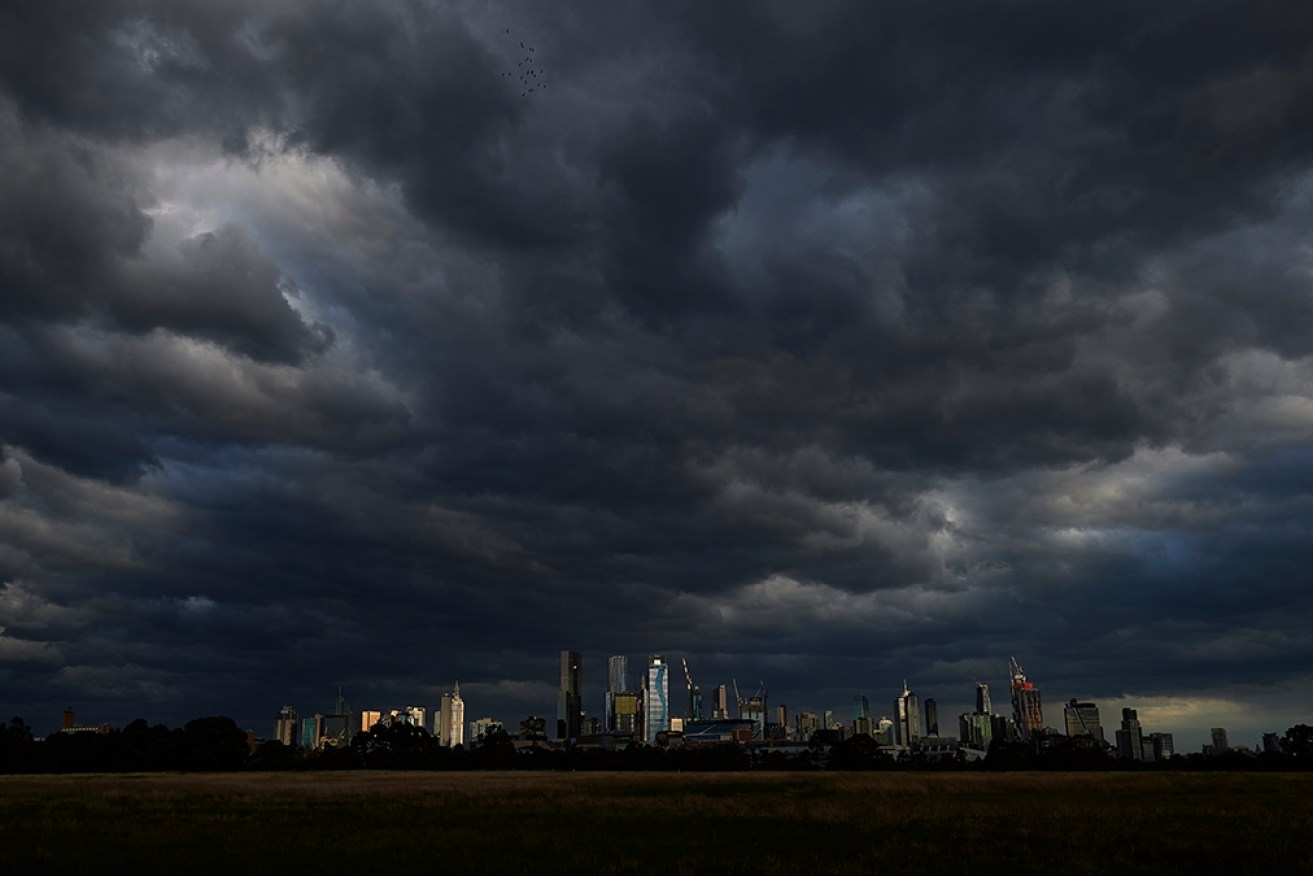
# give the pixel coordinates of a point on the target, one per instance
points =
(1298, 741)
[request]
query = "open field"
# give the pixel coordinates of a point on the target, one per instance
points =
(583, 823)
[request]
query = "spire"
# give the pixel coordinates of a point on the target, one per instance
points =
(456, 692)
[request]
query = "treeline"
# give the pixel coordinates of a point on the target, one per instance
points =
(216, 744)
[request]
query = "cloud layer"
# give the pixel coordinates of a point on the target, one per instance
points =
(826, 348)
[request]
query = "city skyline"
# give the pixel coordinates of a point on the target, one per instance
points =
(826, 347)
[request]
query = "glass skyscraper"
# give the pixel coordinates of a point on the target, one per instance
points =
(569, 704)
(617, 681)
(656, 698)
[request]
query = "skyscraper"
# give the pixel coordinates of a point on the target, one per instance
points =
(451, 719)
(1083, 720)
(656, 698)
(983, 706)
(1220, 743)
(285, 727)
(617, 681)
(1027, 711)
(907, 718)
(569, 703)
(861, 707)
(931, 717)
(720, 705)
(1130, 739)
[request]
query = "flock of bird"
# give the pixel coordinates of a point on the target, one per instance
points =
(530, 75)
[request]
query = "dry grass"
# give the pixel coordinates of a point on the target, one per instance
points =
(658, 822)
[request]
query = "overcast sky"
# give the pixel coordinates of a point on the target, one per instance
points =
(827, 344)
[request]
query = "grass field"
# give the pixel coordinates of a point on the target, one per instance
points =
(587, 823)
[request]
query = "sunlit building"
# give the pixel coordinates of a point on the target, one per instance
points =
(907, 718)
(808, 724)
(656, 698)
(628, 714)
(481, 728)
(451, 719)
(368, 718)
(720, 704)
(285, 727)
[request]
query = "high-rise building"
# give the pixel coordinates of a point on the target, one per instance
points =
(695, 703)
(1162, 745)
(656, 698)
(1027, 711)
(861, 707)
(368, 718)
(617, 681)
(808, 724)
(310, 731)
(1130, 738)
(285, 727)
(451, 719)
(907, 718)
(976, 730)
(884, 731)
(1083, 720)
(931, 717)
(983, 706)
(1220, 743)
(720, 705)
(569, 703)
(627, 713)
(481, 728)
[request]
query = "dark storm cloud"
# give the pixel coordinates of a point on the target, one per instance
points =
(827, 346)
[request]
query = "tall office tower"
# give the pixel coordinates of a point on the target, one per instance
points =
(1130, 740)
(808, 724)
(907, 718)
(976, 730)
(1083, 720)
(983, 706)
(617, 681)
(720, 705)
(861, 707)
(451, 719)
(656, 699)
(695, 703)
(569, 704)
(1162, 744)
(931, 717)
(1219, 740)
(285, 726)
(311, 731)
(1026, 709)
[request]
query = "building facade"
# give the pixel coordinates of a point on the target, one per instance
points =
(907, 718)
(451, 719)
(617, 681)
(1027, 711)
(1082, 719)
(656, 698)
(569, 703)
